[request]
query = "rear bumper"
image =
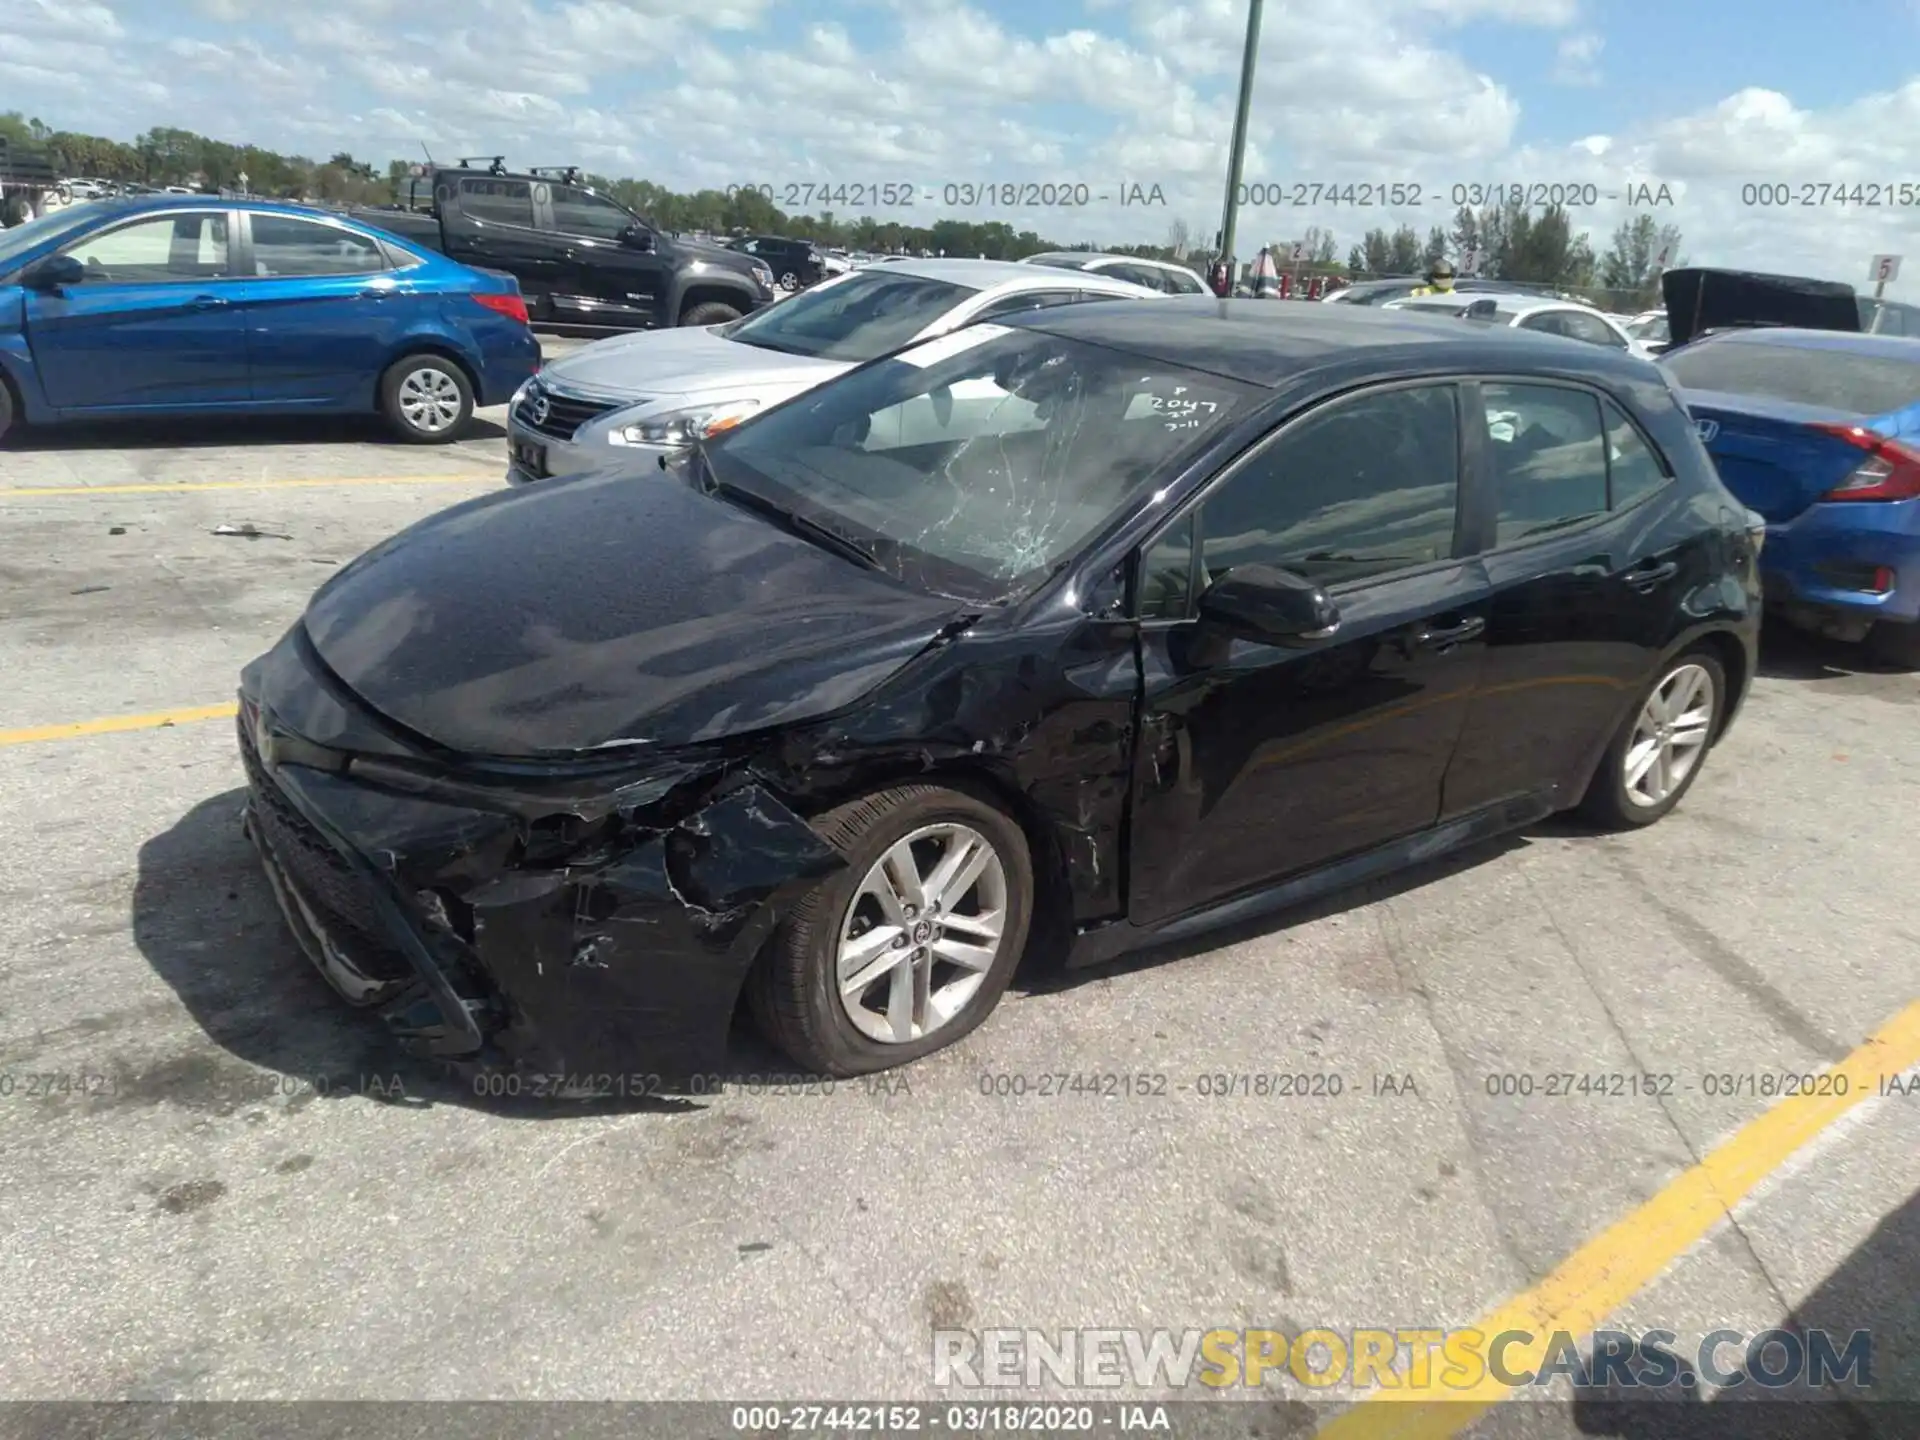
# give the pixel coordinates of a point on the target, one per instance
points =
(1861, 559)
(508, 365)
(619, 977)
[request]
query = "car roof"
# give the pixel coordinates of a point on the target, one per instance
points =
(1262, 343)
(995, 274)
(1102, 257)
(1887, 347)
(149, 204)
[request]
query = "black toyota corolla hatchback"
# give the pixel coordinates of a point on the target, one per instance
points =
(1108, 624)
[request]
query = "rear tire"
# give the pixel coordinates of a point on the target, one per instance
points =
(426, 399)
(1889, 642)
(711, 312)
(795, 991)
(9, 418)
(1661, 746)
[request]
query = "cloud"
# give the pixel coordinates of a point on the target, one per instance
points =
(1112, 93)
(1577, 59)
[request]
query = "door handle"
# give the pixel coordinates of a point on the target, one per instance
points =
(1446, 637)
(209, 302)
(1646, 577)
(373, 292)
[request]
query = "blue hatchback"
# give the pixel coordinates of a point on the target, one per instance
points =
(171, 305)
(1820, 432)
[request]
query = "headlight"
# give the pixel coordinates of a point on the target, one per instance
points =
(683, 427)
(763, 273)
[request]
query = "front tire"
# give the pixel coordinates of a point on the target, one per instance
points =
(1660, 748)
(9, 418)
(710, 313)
(426, 400)
(909, 947)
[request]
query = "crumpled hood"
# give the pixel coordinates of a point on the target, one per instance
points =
(562, 618)
(683, 362)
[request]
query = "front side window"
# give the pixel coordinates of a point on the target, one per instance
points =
(974, 464)
(284, 247)
(498, 202)
(1549, 458)
(857, 318)
(1590, 328)
(168, 247)
(1361, 488)
(581, 212)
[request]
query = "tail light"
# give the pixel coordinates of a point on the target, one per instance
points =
(1891, 470)
(511, 306)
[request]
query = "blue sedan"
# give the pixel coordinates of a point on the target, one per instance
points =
(172, 305)
(1820, 432)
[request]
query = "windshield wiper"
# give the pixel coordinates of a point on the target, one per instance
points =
(794, 523)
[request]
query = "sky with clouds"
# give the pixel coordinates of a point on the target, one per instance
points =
(1706, 97)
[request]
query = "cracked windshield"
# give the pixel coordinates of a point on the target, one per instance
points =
(983, 457)
(983, 718)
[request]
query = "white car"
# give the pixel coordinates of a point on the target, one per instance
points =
(1154, 274)
(1523, 312)
(644, 396)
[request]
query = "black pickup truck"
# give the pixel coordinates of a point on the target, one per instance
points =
(583, 261)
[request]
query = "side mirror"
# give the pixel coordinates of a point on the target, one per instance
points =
(56, 272)
(637, 237)
(1269, 605)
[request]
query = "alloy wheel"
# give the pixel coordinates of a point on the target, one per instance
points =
(429, 400)
(789, 281)
(921, 933)
(1669, 736)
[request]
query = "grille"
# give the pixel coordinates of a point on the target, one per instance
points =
(324, 879)
(565, 415)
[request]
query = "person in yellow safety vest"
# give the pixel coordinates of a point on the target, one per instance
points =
(1439, 279)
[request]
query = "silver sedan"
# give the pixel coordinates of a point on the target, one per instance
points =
(643, 396)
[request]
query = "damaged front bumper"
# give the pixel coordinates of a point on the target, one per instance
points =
(614, 969)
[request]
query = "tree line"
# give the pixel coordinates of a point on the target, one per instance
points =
(1510, 242)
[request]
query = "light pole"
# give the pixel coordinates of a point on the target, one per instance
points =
(1238, 155)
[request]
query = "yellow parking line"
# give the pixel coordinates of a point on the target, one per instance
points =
(1606, 1272)
(115, 724)
(162, 487)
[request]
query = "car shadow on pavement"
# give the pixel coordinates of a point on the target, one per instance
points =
(205, 919)
(208, 432)
(1876, 1289)
(1787, 653)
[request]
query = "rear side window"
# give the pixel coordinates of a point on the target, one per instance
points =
(1549, 458)
(1825, 376)
(1633, 470)
(285, 247)
(1561, 457)
(498, 202)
